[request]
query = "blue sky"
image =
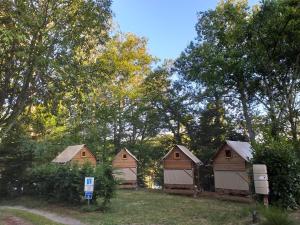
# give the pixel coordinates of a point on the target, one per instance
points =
(169, 25)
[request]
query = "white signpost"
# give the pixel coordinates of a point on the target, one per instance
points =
(261, 182)
(88, 188)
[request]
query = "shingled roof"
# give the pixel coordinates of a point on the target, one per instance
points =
(68, 154)
(188, 153)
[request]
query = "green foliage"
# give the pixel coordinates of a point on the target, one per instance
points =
(149, 155)
(45, 44)
(275, 216)
(283, 171)
(65, 183)
(16, 156)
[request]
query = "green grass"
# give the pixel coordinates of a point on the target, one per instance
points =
(26, 216)
(147, 207)
(275, 216)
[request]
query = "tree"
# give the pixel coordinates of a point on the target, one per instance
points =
(275, 58)
(252, 59)
(218, 60)
(40, 42)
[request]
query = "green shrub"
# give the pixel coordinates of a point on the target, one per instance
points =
(283, 171)
(65, 183)
(275, 216)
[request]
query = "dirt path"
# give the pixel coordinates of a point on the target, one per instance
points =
(51, 216)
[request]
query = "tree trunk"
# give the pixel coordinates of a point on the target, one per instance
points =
(246, 114)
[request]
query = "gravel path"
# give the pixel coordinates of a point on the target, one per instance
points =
(51, 216)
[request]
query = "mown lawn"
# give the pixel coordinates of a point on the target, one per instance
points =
(142, 207)
(147, 207)
(11, 215)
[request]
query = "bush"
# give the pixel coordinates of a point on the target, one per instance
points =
(275, 216)
(283, 171)
(65, 183)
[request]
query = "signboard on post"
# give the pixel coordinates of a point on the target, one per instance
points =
(261, 182)
(88, 188)
(89, 184)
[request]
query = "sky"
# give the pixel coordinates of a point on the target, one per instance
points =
(169, 25)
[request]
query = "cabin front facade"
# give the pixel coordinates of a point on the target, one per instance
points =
(125, 168)
(181, 171)
(230, 165)
(79, 154)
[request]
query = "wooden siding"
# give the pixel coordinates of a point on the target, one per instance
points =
(119, 162)
(183, 162)
(234, 163)
(89, 157)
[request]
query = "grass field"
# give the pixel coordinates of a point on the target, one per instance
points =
(145, 207)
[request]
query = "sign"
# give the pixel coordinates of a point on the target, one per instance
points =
(89, 184)
(88, 195)
(260, 176)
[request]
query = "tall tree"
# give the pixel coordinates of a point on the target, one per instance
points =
(275, 54)
(39, 46)
(219, 58)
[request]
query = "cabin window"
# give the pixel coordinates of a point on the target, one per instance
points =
(83, 154)
(124, 156)
(228, 154)
(176, 155)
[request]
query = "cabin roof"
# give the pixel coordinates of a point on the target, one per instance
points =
(126, 150)
(242, 148)
(68, 154)
(187, 152)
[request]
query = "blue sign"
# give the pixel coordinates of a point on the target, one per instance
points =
(88, 195)
(89, 181)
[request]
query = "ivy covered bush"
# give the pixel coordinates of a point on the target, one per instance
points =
(65, 183)
(283, 171)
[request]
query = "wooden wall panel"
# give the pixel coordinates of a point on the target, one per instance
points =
(177, 164)
(119, 162)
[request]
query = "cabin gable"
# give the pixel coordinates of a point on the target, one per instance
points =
(176, 159)
(227, 159)
(124, 160)
(84, 155)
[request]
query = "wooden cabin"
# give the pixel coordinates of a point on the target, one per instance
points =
(76, 154)
(125, 168)
(181, 168)
(230, 165)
